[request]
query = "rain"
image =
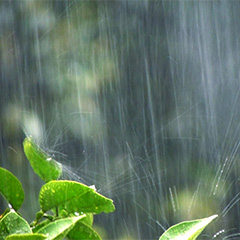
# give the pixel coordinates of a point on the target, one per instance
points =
(138, 99)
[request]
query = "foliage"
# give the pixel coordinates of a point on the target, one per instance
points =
(11, 189)
(157, 97)
(188, 230)
(71, 204)
(44, 166)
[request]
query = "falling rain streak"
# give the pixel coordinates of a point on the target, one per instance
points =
(139, 98)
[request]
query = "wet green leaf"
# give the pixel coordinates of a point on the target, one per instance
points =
(43, 165)
(7, 210)
(12, 223)
(27, 236)
(83, 231)
(40, 225)
(88, 219)
(11, 188)
(73, 197)
(59, 228)
(188, 230)
(63, 214)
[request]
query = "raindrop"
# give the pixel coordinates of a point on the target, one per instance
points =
(76, 214)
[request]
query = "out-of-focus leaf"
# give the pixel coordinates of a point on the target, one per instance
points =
(59, 228)
(43, 165)
(12, 223)
(11, 188)
(73, 197)
(83, 231)
(27, 236)
(188, 230)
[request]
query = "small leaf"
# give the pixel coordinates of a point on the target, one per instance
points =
(11, 188)
(83, 231)
(188, 230)
(12, 223)
(39, 215)
(59, 228)
(43, 165)
(73, 197)
(27, 236)
(40, 225)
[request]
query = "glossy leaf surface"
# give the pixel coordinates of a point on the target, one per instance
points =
(11, 188)
(188, 230)
(83, 231)
(73, 197)
(12, 223)
(88, 220)
(43, 165)
(59, 228)
(27, 236)
(40, 225)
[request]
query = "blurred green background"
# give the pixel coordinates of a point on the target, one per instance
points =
(140, 98)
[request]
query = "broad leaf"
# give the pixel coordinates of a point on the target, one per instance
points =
(11, 188)
(83, 231)
(43, 165)
(12, 223)
(188, 230)
(27, 236)
(73, 197)
(59, 228)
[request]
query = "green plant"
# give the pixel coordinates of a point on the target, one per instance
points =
(188, 230)
(67, 207)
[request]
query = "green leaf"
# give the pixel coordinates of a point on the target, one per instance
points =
(188, 230)
(88, 219)
(11, 188)
(43, 165)
(12, 223)
(59, 228)
(63, 214)
(27, 236)
(40, 225)
(83, 231)
(7, 210)
(73, 197)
